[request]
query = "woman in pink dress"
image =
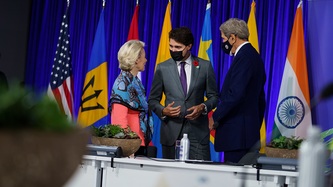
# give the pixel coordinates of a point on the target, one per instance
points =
(128, 104)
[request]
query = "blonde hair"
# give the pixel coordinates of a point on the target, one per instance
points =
(128, 53)
(235, 26)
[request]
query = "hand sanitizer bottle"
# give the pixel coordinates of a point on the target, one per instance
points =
(184, 148)
(312, 160)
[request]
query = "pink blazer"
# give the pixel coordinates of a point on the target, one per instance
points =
(126, 117)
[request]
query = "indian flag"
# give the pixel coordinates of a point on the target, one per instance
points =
(293, 114)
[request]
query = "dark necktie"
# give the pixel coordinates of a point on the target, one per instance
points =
(183, 77)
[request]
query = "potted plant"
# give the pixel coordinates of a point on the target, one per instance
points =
(39, 146)
(115, 135)
(284, 147)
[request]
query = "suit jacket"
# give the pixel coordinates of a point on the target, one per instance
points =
(166, 80)
(240, 111)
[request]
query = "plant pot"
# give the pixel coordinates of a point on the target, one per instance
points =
(281, 153)
(32, 158)
(128, 146)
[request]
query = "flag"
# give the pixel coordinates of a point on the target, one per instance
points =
(94, 101)
(252, 25)
(253, 39)
(206, 52)
(293, 115)
(133, 33)
(205, 46)
(162, 55)
(61, 82)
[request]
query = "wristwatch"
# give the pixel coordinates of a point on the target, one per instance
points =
(205, 109)
(163, 118)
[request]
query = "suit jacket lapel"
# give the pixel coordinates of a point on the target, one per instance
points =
(174, 74)
(194, 76)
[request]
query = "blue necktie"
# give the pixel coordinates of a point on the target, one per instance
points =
(183, 77)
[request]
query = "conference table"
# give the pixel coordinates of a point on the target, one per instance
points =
(101, 171)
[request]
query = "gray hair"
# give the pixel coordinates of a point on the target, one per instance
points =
(235, 26)
(128, 53)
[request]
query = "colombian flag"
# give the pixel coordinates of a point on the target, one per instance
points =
(253, 39)
(163, 54)
(293, 115)
(94, 101)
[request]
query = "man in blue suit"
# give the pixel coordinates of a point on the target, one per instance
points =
(240, 112)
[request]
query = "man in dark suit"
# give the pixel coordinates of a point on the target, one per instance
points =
(239, 115)
(185, 80)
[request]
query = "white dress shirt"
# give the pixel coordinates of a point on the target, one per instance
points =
(188, 70)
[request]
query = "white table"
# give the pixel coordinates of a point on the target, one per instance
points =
(100, 171)
(88, 174)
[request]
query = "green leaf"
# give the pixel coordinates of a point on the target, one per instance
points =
(23, 109)
(284, 142)
(114, 131)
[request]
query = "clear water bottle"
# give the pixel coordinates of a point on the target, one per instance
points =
(184, 148)
(312, 160)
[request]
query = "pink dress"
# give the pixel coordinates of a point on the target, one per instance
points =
(124, 117)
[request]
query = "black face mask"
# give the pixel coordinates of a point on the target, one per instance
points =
(177, 55)
(226, 47)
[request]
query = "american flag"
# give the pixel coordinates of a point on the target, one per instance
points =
(60, 87)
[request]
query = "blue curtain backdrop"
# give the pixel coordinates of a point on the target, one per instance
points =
(274, 21)
(319, 53)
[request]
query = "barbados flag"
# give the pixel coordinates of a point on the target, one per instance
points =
(293, 114)
(94, 101)
(206, 52)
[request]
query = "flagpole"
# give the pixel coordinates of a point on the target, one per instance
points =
(300, 3)
(94, 105)
(60, 89)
